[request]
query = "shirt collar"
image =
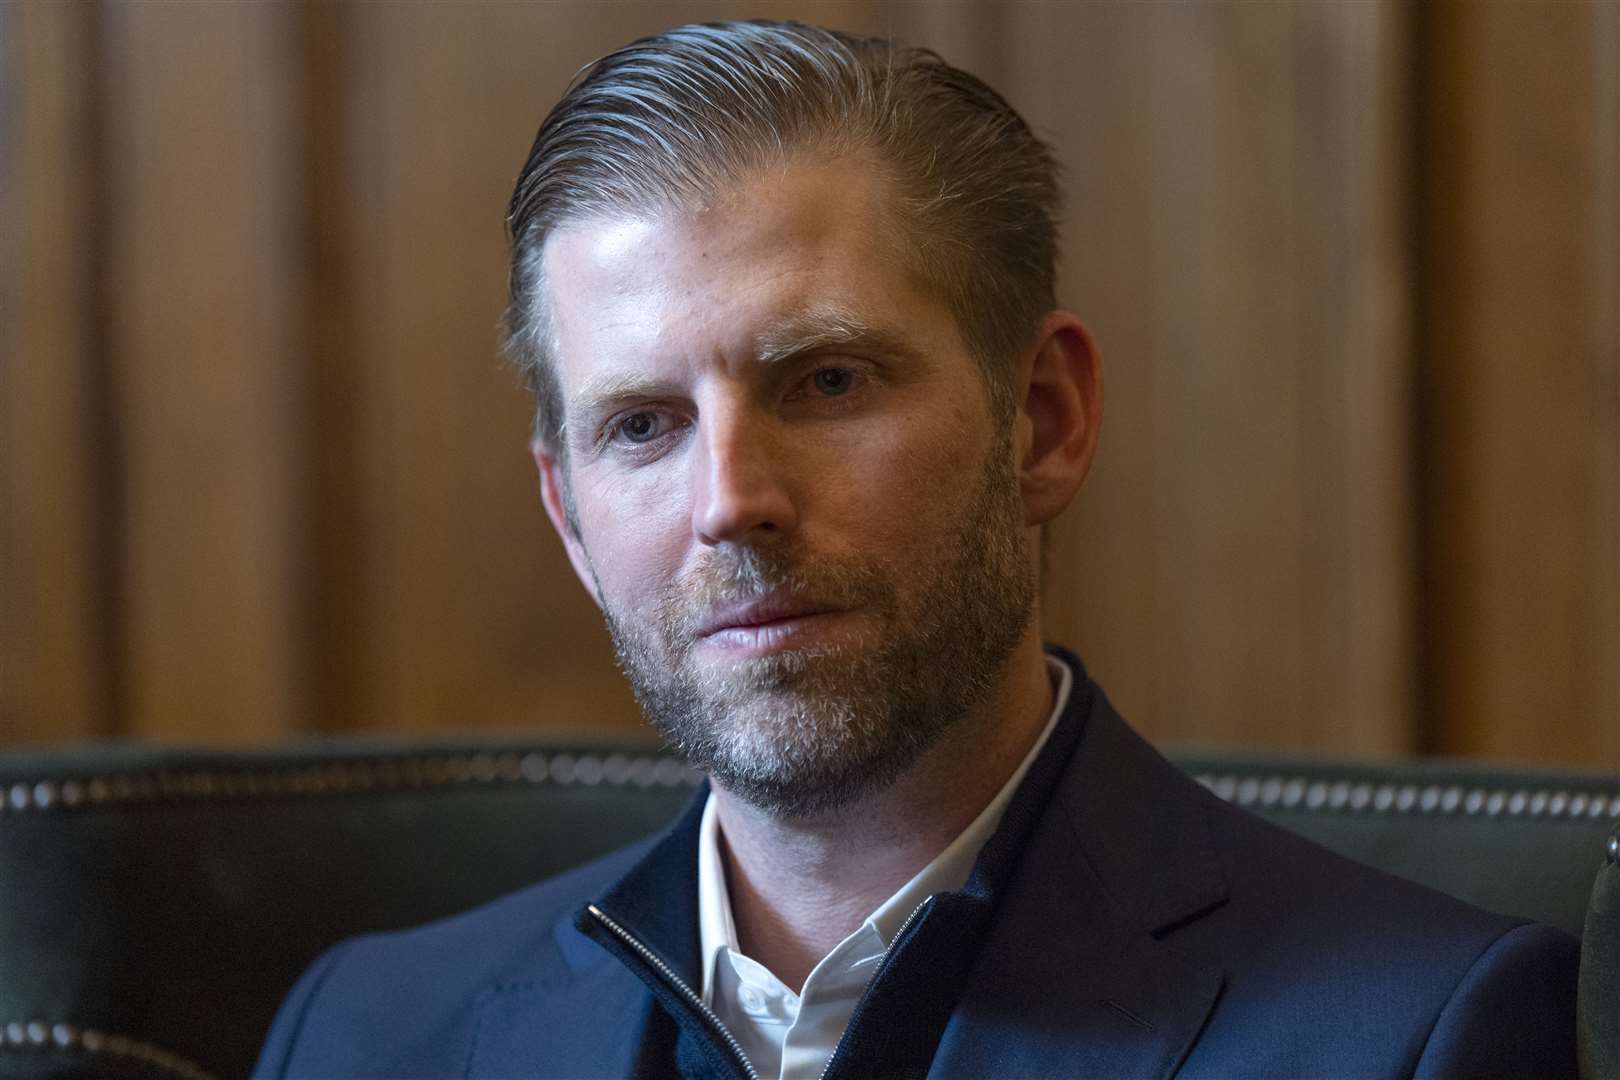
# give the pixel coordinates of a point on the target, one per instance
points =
(716, 930)
(947, 871)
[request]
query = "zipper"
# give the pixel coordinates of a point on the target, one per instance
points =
(679, 984)
(883, 964)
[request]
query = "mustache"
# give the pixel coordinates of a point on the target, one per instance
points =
(742, 575)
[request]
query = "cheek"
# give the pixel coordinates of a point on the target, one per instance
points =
(635, 534)
(910, 479)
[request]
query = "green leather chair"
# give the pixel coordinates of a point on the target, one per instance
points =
(1599, 1032)
(155, 904)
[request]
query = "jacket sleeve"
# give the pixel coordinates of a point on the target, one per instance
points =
(276, 1056)
(1513, 1013)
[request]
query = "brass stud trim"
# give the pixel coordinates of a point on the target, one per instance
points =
(39, 1035)
(426, 771)
(1346, 797)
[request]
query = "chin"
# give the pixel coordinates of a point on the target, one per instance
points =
(797, 751)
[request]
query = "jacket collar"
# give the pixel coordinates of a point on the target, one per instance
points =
(591, 1016)
(657, 901)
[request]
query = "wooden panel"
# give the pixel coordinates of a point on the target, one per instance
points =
(263, 468)
(451, 623)
(55, 681)
(1238, 569)
(1522, 380)
(1604, 722)
(332, 383)
(202, 212)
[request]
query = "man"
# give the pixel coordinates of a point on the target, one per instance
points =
(806, 401)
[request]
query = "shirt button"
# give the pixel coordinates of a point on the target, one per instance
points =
(752, 999)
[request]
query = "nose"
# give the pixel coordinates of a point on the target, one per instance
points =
(739, 489)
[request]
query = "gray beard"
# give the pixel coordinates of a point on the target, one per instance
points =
(806, 732)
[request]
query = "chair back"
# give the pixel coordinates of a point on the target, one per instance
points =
(1598, 1035)
(156, 904)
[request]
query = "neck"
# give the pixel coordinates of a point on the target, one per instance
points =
(800, 886)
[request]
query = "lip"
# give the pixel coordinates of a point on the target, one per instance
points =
(765, 624)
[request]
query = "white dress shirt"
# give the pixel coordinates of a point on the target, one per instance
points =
(792, 1035)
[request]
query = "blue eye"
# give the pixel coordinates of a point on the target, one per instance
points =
(639, 427)
(833, 381)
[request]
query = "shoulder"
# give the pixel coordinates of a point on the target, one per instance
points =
(1512, 1013)
(1322, 959)
(1381, 968)
(402, 1002)
(1256, 889)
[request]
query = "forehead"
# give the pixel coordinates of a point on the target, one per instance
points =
(802, 245)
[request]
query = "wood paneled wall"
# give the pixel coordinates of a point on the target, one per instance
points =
(1240, 567)
(1353, 269)
(1520, 379)
(57, 660)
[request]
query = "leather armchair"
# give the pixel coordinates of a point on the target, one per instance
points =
(155, 904)
(1598, 1041)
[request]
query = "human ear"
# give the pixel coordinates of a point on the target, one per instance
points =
(553, 495)
(1060, 413)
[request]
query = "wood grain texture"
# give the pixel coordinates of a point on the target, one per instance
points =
(203, 212)
(55, 680)
(1359, 490)
(465, 611)
(1521, 381)
(1604, 721)
(1238, 568)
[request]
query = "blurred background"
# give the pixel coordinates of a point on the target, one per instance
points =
(1354, 269)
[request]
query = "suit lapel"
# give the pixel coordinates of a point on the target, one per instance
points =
(1081, 993)
(1074, 978)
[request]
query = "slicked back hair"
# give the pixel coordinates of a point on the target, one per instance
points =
(673, 120)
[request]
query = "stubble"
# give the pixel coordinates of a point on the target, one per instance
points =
(804, 732)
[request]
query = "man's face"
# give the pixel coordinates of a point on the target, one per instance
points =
(793, 503)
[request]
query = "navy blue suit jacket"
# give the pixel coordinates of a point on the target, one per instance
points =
(1130, 925)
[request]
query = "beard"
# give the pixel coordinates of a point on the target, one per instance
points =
(806, 731)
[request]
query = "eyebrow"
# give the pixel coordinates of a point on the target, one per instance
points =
(807, 331)
(779, 341)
